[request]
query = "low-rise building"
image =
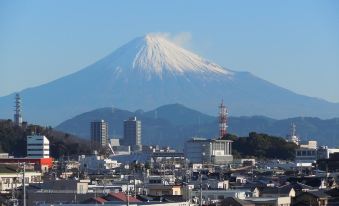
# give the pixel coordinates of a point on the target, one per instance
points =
(214, 196)
(96, 163)
(160, 190)
(324, 152)
(270, 201)
(11, 177)
(306, 154)
(39, 164)
(331, 164)
(284, 191)
(210, 151)
(318, 197)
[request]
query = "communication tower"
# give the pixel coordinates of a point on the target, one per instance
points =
(222, 120)
(17, 115)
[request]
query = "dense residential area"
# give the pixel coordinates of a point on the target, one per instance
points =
(259, 169)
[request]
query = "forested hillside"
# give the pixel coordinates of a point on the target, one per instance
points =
(13, 140)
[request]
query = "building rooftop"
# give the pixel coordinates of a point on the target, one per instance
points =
(120, 196)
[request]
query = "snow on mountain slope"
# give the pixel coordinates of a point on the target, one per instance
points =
(153, 56)
(157, 54)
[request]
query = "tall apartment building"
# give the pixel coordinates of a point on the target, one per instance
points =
(37, 146)
(99, 133)
(132, 134)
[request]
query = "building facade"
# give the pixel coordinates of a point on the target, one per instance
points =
(324, 152)
(99, 133)
(37, 146)
(11, 177)
(208, 151)
(306, 154)
(96, 163)
(132, 134)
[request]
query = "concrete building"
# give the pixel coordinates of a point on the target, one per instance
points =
(305, 157)
(95, 163)
(310, 145)
(132, 134)
(210, 151)
(213, 196)
(37, 146)
(162, 185)
(324, 152)
(99, 133)
(11, 177)
(159, 190)
(331, 164)
(283, 201)
(114, 142)
(309, 153)
(306, 154)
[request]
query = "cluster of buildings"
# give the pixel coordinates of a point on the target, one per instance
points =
(205, 173)
(309, 154)
(168, 178)
(131, 140)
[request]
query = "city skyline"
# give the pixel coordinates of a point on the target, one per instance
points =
(259, 38)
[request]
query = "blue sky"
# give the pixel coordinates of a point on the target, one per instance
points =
(294, 44)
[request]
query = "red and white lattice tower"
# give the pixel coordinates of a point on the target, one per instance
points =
(222, 120)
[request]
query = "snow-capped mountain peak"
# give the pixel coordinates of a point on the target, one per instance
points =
(154, 54)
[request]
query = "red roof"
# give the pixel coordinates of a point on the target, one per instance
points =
(99, 200)
(120, 196)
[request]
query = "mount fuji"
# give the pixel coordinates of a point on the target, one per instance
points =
(151, 71)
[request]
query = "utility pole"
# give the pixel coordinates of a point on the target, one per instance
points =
(135, 185)
(200, 189)
(127, 197)
(23, 184)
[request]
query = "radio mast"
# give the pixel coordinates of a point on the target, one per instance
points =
(17, 115)
(222, 120)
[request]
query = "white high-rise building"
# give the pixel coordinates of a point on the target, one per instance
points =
(37, 146)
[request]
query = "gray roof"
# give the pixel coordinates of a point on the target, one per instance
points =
(57, 185)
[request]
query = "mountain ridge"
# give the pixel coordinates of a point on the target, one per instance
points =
(113, 81)
(174, 124)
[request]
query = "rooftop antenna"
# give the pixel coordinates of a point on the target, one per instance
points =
(17, 115)
(294, 138)
(222, 120)
(293, 129)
